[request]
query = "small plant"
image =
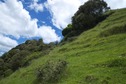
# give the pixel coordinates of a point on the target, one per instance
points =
(62, 49)
(123, 54)
(117, 63)
(50, 72)
(120, 62)
(104, 82)
(90, 78)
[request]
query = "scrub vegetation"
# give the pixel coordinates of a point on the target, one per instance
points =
(95, 56)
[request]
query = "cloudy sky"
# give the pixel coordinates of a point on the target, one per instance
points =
(32, 19)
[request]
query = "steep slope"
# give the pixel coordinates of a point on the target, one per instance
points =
(21, 55)
(97, 56)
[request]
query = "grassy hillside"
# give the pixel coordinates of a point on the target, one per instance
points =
(97, 56)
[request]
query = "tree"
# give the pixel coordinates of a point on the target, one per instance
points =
(67, 30)
(88, 14)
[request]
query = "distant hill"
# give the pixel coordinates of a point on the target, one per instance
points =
(96, 56)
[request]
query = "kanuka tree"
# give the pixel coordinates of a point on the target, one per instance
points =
(89, 14)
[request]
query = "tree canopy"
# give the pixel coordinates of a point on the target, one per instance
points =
(88, 14)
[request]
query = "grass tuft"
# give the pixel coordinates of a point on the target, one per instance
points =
(116, 29)
(117, 63)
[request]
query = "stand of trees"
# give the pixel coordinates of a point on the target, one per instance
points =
(87, 16)
(18, 56)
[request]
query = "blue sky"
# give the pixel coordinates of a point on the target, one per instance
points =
(33, 19)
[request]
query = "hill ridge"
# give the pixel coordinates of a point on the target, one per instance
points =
(97, 56)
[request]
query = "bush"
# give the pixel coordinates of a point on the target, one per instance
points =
(1, 68)
(17, 60)
(8, 72)
(90, 79)
(117, 63)
(19, 56)
(50, 72)
(67, 30)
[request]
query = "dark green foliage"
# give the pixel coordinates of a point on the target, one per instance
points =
(70, 37)
(4, 69)
(123, 54)
(88, 14)
(1, 68)
(8, 72)
(117, 63)
(69, 33)
(31, 45)
(18, 56)
(50, 72)
(90, 79)
(9, 54)
(67, 30)
(17, 60)
(83, 22)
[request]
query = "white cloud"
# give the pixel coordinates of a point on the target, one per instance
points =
(16, 21)
(48, 34)
(63, 10)
(6, 44)
(35, 6)
(116, 4)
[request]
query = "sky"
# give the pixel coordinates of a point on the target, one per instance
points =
(21, 20)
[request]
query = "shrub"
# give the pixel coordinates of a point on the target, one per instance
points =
(90, 79)
(1, 68)
(17, 60)
(19, 56)
(71, 36)
(67, 30)
(117, 63)
(50, 72)
(8, 72)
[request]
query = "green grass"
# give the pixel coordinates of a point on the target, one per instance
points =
(92, 58)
